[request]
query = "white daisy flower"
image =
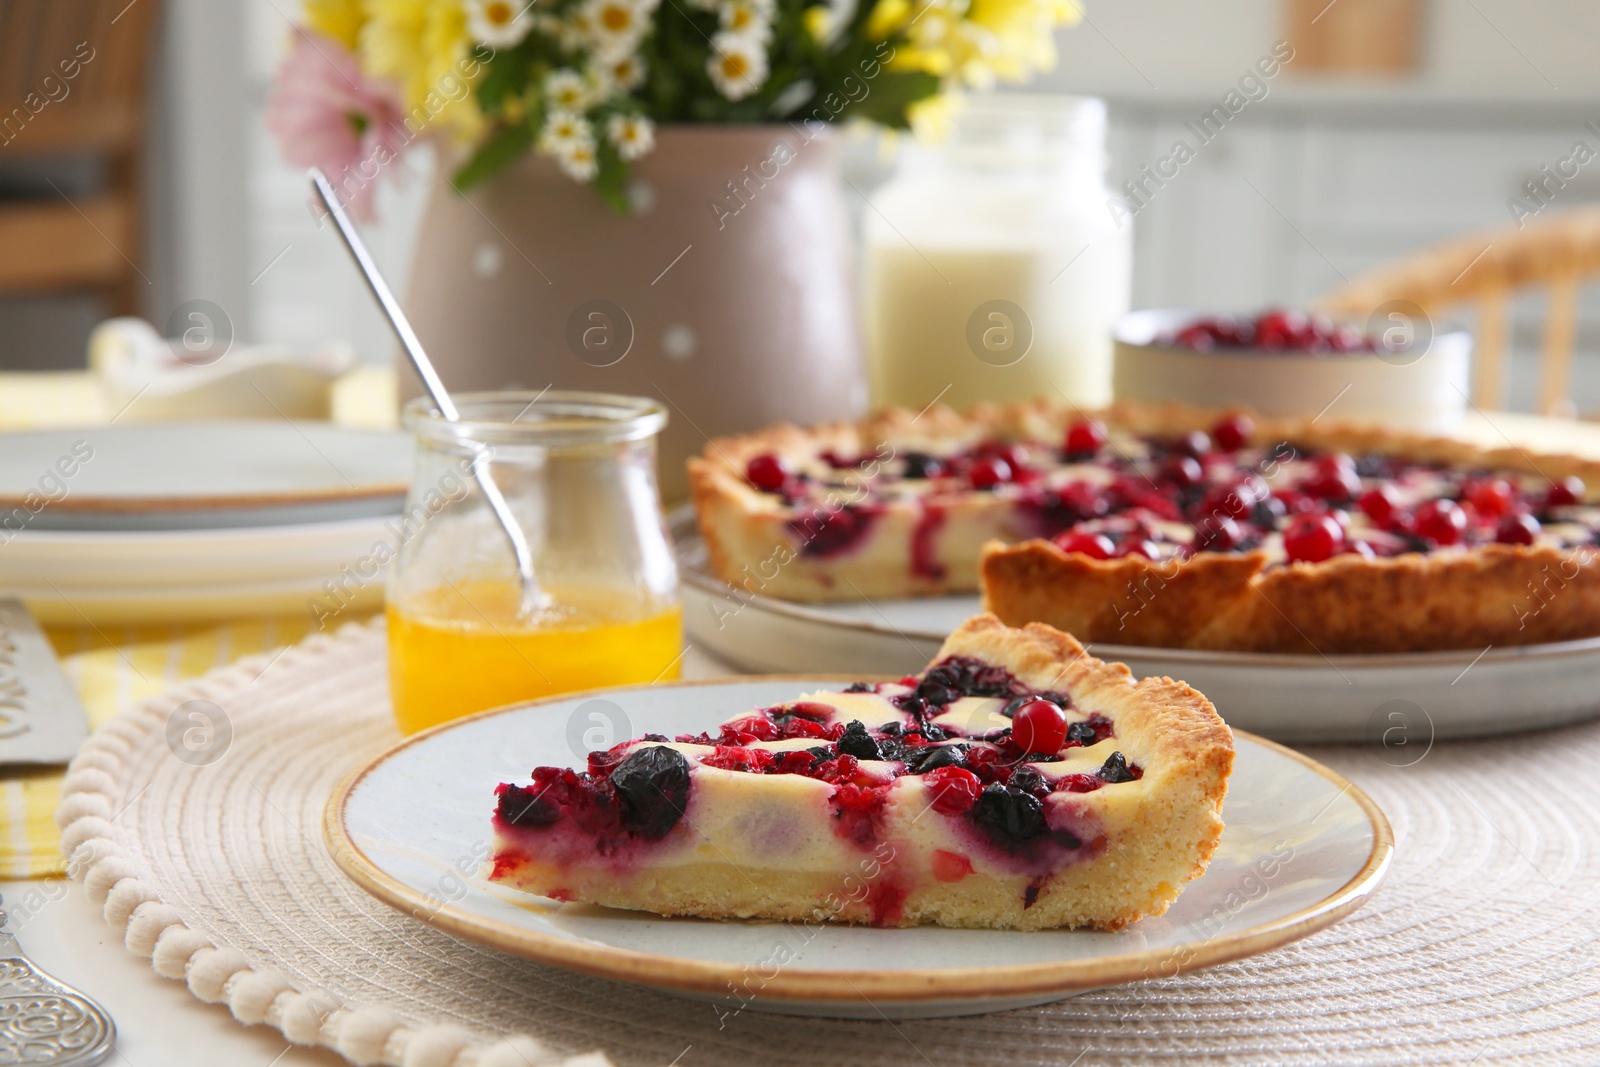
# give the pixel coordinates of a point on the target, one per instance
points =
(563, 128)
(566, 90)
(576, 32)
(634, 135)
(751, 18)
(623, 73)
(615, 26)
(738, 65)
(500, 23)
(578, 159)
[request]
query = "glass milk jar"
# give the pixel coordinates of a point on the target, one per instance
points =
(994, 269)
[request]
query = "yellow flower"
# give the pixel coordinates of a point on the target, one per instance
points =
(339, 19)
(1013, 38)
(887, 17)
(817, 20)
(974, 42)
(423, 45)
(931, 116)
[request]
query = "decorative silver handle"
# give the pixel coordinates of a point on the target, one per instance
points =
(45, 1022)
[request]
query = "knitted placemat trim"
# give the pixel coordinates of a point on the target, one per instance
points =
(217, 973)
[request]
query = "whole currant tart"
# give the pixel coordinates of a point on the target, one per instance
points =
(1167, 526)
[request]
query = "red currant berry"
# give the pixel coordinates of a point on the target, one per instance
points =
(1198, 337)
(1441, 521)
(989, 472)
(1491, 498)
(1084, 438)
(1333, 477)
(1232, 432)
(1039, 726)
(1227, 501)
(1295, 502)
(1312, 539)
(1217, 533)
(1014, 454)
(1347, 338)
(1517, 530)
(1380, 504)
(1093, 545)
(1564, 493)
(1138, 546)
(767, 472)
(955, 789)
(1195, 443)
(1182, 471)
(1278, 330)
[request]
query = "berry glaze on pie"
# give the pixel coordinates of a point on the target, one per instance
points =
(1016, 783)
(1166, 526)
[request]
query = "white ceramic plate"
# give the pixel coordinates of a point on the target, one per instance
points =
(200, 475)
(1404, 701)
(1303, 848)
(67, 577)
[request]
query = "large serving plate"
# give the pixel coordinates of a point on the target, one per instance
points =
(1303, 848)
(200, 475)
(1404, 701)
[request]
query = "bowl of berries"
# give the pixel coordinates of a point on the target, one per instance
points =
(1286, 362)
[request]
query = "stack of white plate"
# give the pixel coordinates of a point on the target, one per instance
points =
(195, 521)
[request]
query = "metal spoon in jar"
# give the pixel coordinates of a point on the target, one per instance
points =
(533, 597)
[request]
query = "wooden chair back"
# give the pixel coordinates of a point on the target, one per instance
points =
(1556, 252)
(73, 77)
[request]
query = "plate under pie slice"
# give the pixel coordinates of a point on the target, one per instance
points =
(1166, 526)
(1017, 783)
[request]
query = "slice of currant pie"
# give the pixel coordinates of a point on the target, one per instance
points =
(1017, 782)
(1166, 526)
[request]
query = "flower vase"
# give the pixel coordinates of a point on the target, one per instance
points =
(725, 291)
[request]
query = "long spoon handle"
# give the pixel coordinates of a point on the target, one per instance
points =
(531, 595)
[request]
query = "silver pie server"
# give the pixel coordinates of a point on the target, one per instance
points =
(41, 720)
(45, 1022)
(532, 597)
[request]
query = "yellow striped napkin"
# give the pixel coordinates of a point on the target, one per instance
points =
(113, 668)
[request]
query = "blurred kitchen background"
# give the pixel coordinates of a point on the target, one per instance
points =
(1398, 124)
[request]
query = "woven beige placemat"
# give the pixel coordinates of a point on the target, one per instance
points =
(202, 839)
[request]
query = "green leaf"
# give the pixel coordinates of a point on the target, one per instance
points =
(892, 92)
(505, 76)
(612, 180)
(501, 148)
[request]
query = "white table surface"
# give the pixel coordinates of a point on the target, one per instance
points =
(159, 1022)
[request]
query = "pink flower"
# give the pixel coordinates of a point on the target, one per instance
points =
(326, 113)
